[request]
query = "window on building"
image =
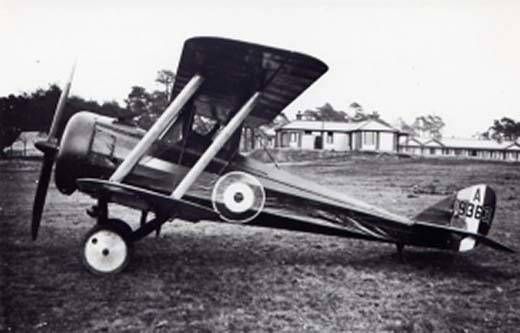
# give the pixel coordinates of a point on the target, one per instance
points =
(308, 132)
(369, 138)
(473, 152)
(432, 151)
(330, 137)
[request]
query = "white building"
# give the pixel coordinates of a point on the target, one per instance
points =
(368, 135)
(467, 148)
(377, 135)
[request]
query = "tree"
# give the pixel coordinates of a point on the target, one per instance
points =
(166, 78)
(360, 114)
(145, 107)
(428, 126)
(504, 129)
(405, 127)
(34, 112)
(26, 112)
(158, 102)
(8, 136)
(325, 113)
(138, 100)
(355, 106)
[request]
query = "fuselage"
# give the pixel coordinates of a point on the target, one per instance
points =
(92, 146)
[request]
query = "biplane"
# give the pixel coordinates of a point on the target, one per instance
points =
(188, 165)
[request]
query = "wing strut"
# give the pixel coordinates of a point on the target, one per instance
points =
(215, 146)
(162, 124)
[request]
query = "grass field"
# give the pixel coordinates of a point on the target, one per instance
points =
(208, 277)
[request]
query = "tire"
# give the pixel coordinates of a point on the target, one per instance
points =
(120, 226)
(106, 249)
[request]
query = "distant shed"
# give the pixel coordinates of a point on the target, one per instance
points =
(24, 145)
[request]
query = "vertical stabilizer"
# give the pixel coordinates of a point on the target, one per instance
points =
(473, 211)
(470, 210)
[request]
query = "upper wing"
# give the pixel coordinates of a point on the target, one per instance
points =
(233, 71)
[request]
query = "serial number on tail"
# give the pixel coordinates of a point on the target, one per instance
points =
(468, 209)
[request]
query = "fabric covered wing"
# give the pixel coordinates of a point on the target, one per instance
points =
(143, 199)
(234, 70)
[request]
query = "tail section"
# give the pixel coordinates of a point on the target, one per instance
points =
(473, 211)
(470, 211)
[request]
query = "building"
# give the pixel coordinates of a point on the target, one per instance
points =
(263, 136)
(251, 139)
(24, 145)
(367, 135)
(377, 135)
(462, 148)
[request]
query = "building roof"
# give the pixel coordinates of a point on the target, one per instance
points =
(269, 131)
(26, 142)
(433, 143)
(462, 143)
(337, 126)
(376, 125)
(477, 144)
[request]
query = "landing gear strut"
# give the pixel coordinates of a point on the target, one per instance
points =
(400, 248)
(108, 246)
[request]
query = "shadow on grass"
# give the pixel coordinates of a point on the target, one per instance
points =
(262, 250)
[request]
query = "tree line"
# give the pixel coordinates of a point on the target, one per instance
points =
(429, 125)
(504, 129)
(34, 111)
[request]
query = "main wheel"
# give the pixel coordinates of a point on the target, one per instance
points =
(106, 249)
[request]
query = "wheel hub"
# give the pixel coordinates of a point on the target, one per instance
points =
(105, 251)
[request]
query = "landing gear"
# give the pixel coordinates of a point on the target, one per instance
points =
(400, 248)
(107, 247)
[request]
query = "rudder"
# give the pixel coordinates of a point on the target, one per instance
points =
(471, 209)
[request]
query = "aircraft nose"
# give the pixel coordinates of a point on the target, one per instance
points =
(74, 150)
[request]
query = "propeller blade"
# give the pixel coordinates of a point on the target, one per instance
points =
(49, 149)
(53, 132)
(41, 192)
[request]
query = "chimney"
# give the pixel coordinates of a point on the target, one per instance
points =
(299, 115)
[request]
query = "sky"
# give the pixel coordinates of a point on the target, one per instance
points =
(456, 59)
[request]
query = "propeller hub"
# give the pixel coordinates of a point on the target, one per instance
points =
(47, 146)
